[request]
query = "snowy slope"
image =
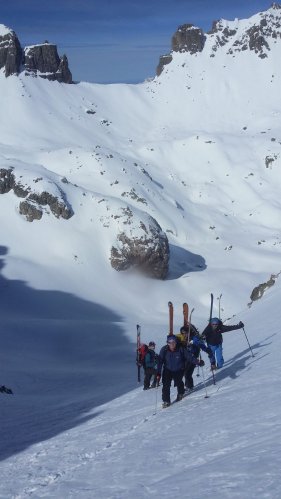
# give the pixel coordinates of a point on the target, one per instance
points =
(227, 445)
(198, 149)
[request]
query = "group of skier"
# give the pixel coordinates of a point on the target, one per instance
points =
(177, 359)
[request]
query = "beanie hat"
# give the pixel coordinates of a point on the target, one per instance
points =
(214, 320)
(151, 344)
(171, 338)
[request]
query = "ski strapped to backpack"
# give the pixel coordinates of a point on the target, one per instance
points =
(189, 326)
(138, 351)
(211, 306)
(171, 318)
(142, 350)
(185, 314)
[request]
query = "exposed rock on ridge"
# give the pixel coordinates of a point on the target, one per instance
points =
(10, 52)
(43, 60)
(265, 28)
(37, 60)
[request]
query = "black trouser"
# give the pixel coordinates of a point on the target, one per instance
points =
(167, 378)
(148, 373)
(188, 375)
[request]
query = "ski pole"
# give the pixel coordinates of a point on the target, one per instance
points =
(156, 391)
(248, 341)
(204, 382)
(198, 375)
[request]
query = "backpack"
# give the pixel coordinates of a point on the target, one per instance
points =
(142, 351)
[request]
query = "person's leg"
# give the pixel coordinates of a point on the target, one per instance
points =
(166, 380)
(147, 378)
(154, 382)
(178, 375)
(214, 350)
(188, 375)
(219, 356)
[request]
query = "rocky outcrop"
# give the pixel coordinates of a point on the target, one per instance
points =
(10, 52)
(188, 38)
(164, 59)
(147, 252)
(35, 202)
(43, 60)
(259, 290)
(37, 60)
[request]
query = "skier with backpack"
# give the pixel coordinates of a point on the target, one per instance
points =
(195, 345)
(150, 367)
(213, 335)
(171, 365)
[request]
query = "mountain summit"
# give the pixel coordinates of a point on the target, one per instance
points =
(256, 34)
(36, 60)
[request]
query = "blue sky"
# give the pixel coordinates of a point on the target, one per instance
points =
(115, 40)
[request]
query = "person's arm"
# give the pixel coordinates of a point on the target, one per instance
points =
(225, 329)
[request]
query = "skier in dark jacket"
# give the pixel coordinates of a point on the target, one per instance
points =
(173, 359)
(213, 334)
(150, 366)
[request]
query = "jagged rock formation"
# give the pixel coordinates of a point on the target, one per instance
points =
(10, 51)
(254, 37)
(37, 60)
(259, 290)
(34, 203)
(43, 60)
(148, 252)
(188, 38)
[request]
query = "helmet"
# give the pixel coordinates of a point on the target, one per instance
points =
(151, 344)
(214, 320)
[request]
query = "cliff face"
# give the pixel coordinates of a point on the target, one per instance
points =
(37, 60)
(10, 51)
(43, 60)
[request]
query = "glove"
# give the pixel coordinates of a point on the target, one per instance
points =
(241, 324)
(213, 367)
(200, 363)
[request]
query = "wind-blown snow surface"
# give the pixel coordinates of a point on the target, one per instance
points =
(200, 146)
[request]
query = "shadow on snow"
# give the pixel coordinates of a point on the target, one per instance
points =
(62, 356)
(183, 262)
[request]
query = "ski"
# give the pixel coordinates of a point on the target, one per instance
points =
(189, 326)
(219, 298)
(138, 351)
(4, 389)
(211, 307)
(171, 318)
(185, 314)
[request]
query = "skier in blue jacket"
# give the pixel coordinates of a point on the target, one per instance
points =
(172, 360)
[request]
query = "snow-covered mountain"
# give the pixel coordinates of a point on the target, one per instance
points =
(197, 149)
(114, 200)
